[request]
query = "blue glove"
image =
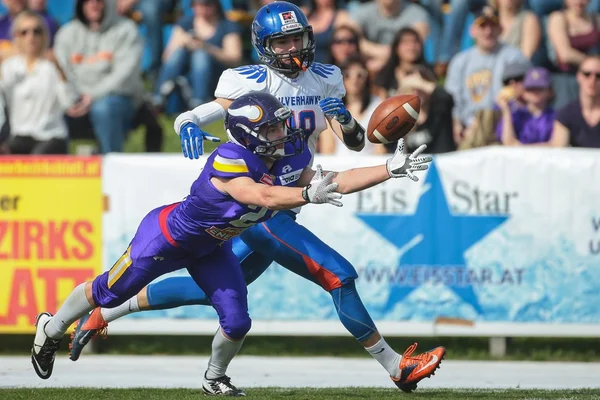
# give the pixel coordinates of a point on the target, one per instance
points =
(192, 140)
(333, 107)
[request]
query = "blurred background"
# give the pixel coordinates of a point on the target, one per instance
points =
(510, 78)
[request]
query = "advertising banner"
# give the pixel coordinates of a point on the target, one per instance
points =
(494, 235)
(50, 234)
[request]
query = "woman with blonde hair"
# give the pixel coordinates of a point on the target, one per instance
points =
(36, 91)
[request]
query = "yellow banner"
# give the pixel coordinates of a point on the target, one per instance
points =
(50, 234)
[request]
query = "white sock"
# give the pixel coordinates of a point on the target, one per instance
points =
(129, 307)
(223, 351)
(74, 307)
(386, 356)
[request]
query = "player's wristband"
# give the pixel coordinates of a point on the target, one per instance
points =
(305, 193)
(353, 138)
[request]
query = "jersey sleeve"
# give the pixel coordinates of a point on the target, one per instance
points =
(229, 163)
(235, 82)
(330, 79)
(336, 84)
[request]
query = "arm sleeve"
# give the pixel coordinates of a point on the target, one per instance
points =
(336, 84)
(229, 163)
(234, 83)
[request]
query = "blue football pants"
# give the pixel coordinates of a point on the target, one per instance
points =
(283, 240)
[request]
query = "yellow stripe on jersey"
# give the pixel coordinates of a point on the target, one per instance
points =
(119, 268)
(230, 165)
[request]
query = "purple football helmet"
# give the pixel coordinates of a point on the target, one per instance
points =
(251, 111)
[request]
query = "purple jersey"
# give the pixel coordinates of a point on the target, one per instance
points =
(529, 128)
(208, 216)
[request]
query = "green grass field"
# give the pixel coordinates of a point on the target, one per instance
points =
(294, 394)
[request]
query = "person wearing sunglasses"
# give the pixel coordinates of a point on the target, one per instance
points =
(360, 102)
(36, 91)
(344, 44)
(41, 7)
(406, 55)
(578, 123)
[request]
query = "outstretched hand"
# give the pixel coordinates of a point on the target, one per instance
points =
(401, 165)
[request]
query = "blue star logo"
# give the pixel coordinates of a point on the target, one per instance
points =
(438, 238)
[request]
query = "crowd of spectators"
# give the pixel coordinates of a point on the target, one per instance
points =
(506, 72)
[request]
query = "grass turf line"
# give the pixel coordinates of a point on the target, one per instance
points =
(296, 394)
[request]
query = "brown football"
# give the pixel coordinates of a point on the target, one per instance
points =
(393, 118)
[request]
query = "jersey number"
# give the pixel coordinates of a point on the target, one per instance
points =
(305, 120)
(249, 219)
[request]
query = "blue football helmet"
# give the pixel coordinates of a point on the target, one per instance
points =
(248, 113)
(281, 19)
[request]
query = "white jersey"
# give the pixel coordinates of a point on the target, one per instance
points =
(301, 94)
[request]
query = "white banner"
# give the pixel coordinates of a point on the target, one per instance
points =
(504, 237)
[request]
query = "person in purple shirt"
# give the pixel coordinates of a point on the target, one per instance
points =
(533, 123)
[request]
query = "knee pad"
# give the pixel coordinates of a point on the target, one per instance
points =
(236, 326)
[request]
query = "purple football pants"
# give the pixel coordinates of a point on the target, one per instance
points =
(153, 253)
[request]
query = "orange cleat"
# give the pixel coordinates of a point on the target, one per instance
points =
(415, 368)
(87, 327)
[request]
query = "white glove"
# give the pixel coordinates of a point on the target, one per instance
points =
(400, 166)
(321, 189)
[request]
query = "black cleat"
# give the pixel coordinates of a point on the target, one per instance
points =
(221, 386)
(44, 348)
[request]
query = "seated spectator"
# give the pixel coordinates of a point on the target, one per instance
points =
(323, 16)
(361, 104)
(405, 56)
(512, 81)
(101, 53)
(36, 91)
(380, 20)
(574, 33)
(434, 125)
(533, 123)
(13, 7)
(475, 75)
(152, 18)
(39, 6)
(578, 123)
(344, 44)
(520, 27)
(204, 45)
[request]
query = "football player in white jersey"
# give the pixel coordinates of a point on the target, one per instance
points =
(285, 43)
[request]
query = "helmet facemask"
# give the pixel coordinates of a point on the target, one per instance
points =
(292, 61)
(268, 147)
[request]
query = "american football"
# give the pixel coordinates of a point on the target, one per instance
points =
(393, 118)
